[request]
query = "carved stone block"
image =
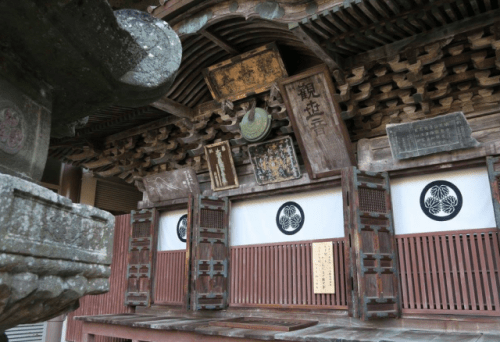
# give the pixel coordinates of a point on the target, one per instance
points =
(52, 252)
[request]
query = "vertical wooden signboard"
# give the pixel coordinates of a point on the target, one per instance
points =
(210, 252)
(321, 133)
(140, 270)
(221, 166)
(370, 233)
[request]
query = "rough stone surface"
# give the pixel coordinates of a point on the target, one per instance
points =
(37, 222)
(419, 138)
(159, 66)
(24, 133)
(52, 252)
(75, 57)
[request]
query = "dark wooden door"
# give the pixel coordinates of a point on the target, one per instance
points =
(210, 251)
(372, 251)
(494, 174)
(140, 270)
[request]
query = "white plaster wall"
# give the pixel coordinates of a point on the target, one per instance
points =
(254, 221)
(477, 209)
(167, 237)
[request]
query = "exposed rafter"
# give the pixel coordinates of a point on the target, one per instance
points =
(174, 108)
(221, 42)
(332, 60)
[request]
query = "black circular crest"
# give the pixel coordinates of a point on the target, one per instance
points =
(441, 200)
(182, 228)
(290, 218)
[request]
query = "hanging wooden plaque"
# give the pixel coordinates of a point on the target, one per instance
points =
(171, 185)
(274, 161)
(250, 73)
(321, 133)
(221, 166)
(323, 268)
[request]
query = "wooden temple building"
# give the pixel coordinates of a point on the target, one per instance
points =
(324, 166)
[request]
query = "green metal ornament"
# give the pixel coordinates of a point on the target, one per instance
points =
(256, 125)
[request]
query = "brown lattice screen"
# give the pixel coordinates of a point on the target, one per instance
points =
(212, 218)
(372, 200)
(140, 229)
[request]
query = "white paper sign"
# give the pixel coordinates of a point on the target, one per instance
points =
(323, 267)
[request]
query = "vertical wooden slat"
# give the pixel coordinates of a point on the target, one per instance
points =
(491, 268)
(484, 273)
(421, 273)
(469, 238)
(310, 295)
(411, 293)
(460, 274)
(428, 279)
(454, 273)
(403, 274)
(477, 275)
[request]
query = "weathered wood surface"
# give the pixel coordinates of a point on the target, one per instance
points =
(419, 138)
(323, 332)
(171, 185)
(210, 254)
(375, 154)
(264, 324)
(221, 166)
(251, 73)
(141, 257)
(174, 108)
(374, 261)
(493, 164)
(274, 161)
(315, 115)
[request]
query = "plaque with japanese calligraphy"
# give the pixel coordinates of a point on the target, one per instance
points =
(170, 185)
(443, 133)
(250, 73)
(323, 268)
(274, 161)
(321, 133)
(221, 166)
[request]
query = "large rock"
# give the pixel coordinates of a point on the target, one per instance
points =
(75, 56)
(52, 252)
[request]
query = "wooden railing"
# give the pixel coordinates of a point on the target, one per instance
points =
(169, 283)
(450, 272)
(280, 275)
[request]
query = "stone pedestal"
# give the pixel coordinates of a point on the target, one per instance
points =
(52, 252)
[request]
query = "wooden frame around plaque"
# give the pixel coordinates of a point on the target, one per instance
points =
(221, 166)
(315, 115)
(253, 72)
(274, 165)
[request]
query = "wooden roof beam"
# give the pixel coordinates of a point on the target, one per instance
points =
(169, 120)
(332, 60)
(175, 108)
(440, 33)
(219, 41)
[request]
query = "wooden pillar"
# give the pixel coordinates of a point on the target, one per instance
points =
(71, 182)
(87, 193)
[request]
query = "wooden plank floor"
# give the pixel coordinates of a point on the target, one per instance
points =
(318, 333)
